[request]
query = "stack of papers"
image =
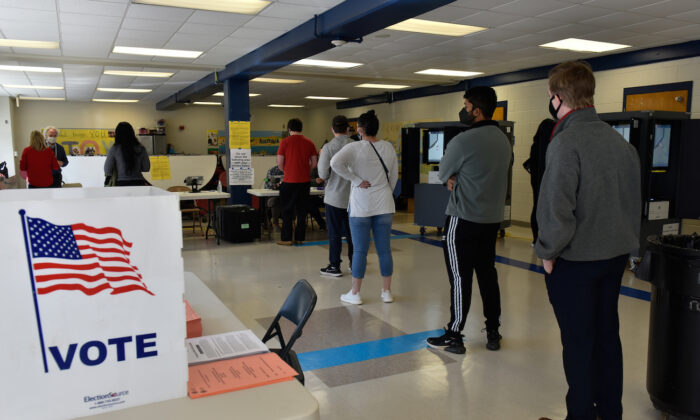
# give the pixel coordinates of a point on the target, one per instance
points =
(223, 346)
(236, 374)
(194, 321)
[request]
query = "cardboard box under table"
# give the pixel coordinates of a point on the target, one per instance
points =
(92, 301)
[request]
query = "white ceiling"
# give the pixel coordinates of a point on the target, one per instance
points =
(88, 30)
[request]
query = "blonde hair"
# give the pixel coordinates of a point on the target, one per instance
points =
(573, 81)
(36, 141)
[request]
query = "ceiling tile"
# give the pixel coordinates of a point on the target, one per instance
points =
(479, 4)
(205, 29)
(623, 5)
(28, 15)
(193, 42)
(529, 7)
(144, 39)
(298, 12)
(150, 25)
(614, 20)
(689, 32)
(92, 7)
(144, 11)
(575, 13)
(218, 18)
(653, 26)
(529, 25)
(262, 22)
(693, 16)
(30, 4)
(489, 19)
(668, 7)
(446, 14)
(73, 20)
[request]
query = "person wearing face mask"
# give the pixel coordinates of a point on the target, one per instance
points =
(475, 169)
(589, 215)
(51, 134)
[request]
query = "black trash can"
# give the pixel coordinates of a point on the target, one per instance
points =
(673, 363)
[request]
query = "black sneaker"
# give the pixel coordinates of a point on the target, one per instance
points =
(331, 271)
(449, 341)
(494, 340)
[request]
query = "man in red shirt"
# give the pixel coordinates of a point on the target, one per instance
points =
(295, 157)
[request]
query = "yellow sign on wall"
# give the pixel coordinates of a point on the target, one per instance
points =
(160, 168)
(86, 140)
(239, 134)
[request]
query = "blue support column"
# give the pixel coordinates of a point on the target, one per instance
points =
(236, 108)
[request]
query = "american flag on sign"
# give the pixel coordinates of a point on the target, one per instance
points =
(81, 257)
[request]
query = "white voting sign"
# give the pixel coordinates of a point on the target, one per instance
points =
(91, 309)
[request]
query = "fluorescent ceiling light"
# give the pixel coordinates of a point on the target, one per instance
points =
(207, 103)
(121, 101)
(285, 106)
(272, 80)
(38, 98)
(326, 63)
(583, 45)
(250, 94)
(456, 73)
(158, 52)
(435, 28)
(20, 43)
(327, 98)
(34, 69)
(33, 87)
(137, 73)
(381, 86)
(246, 7)
(125, 90)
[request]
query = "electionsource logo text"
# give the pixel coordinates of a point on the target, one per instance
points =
(105, 396)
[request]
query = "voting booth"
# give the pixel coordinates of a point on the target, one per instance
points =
(92, 310)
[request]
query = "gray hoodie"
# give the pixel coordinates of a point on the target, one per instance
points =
(337, 191)
(589, 207)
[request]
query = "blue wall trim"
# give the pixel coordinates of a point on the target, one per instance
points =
(659, 88)
(608, 62)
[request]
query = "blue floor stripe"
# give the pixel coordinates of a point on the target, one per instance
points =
(397, 234)
(353, 353)
(624, 290)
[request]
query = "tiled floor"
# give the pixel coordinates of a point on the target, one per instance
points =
(524, 380)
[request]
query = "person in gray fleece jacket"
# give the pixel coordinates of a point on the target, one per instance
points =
(589, 215)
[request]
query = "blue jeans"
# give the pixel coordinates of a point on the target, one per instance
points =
(338, 225)
(381, 231)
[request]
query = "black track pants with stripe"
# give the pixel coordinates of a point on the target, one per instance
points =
(470, 247)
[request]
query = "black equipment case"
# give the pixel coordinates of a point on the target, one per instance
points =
(237, 223)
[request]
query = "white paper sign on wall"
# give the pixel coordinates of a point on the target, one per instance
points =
(91, 305)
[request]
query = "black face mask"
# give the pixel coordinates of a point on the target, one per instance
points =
(466, 118)
(552, 110)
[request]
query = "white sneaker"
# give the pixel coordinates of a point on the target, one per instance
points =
(387, 297)
(350, 298)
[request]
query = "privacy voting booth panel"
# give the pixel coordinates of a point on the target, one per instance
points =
(657, 137)
(92, 313)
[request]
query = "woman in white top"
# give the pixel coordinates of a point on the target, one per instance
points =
(372, 169)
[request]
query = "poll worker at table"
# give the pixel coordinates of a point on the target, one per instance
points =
(128, 157)
(39, 162)
(589, 215)
(371, 167)
(296, 156)
(51, 133)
